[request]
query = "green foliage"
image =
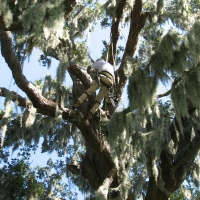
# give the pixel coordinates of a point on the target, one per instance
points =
(37, 16)
(187, 191)
(6, 12)
(61, 70)
(136, 138)
(164, 54)
(33, 183)
(6, 117)
(17, 177)
(194, 6)
(105, 23)
(120, 131)
(141, 89)
(79, 53)
(178, 195)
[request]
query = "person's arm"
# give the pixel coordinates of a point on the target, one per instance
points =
(89, 68)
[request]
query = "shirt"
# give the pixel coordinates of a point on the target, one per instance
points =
(103, 66)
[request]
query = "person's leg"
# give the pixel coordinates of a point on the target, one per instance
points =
(105, 84)
(94, 86)
(102, 92)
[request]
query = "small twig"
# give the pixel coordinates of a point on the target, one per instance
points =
(164, 94)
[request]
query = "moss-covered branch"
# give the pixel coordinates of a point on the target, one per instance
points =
(115, 32)
(17, 26)
(137, 22)
(21, 101)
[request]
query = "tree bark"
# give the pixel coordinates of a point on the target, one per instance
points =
(154, 192)
(138, 19)
(115, 32)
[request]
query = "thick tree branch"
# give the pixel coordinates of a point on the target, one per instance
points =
(43, 105)
(82, 75)
(32, 92)
(115, 31)
(139, 185)
(176, 167)
(102, 192)
(15, 27)
(81, 81)
(76, 72)
(138, 19)
(73, 169)
(21, 101)
(83, 125)
(190, 151)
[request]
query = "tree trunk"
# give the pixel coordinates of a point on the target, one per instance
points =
(154, 192)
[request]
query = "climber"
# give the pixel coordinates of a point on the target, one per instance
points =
(104, 82)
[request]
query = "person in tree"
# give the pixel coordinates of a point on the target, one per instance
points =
(104, 81)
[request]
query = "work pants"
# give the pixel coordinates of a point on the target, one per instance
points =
(104, 85)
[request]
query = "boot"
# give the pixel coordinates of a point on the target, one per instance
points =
(76, 105)
(89, 115)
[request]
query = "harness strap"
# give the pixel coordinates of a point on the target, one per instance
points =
(103, 83)
(86, 94)
(107, 74)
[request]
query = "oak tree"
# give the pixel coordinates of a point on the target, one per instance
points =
(146, 149)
